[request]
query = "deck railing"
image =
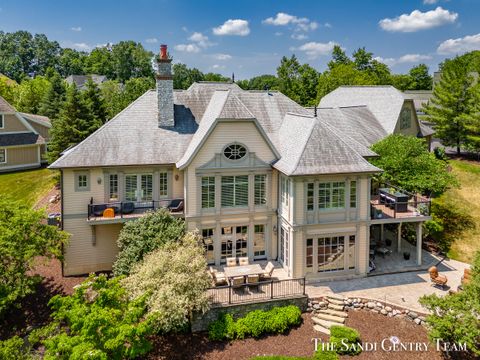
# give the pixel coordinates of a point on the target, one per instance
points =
(261, 291)
(131, 208)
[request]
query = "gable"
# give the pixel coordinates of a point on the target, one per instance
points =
(407, 121)
(12, 123)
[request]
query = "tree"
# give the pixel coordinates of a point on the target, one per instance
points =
(402, 81)
(100, 61)
(93, 101)
(454, 318)
(183, 76)
(138, 238)
(131, 60)
(30, 93)
(136, 87)
(72, 62)
(338, 57)
(53, 99)
(362, 59)
(308, 84)
(112, 94)
(288, 74)
(453, 107)
(8, 89)
(175, 279)
(23, 236)
(421, 79)
(215, 77)
(407, 163)
(262, 82)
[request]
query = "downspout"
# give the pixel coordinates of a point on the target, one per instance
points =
(61, 214)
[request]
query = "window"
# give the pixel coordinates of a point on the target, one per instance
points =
(234, 191)
(207, 235)
(82, 182)
(285, 190)
(310, 196)
(353, 194)
(351, 252)
(131, 187)
(2, 122)
(146, 190)
(235, 152)
(138, 187)
(330, 253)
(3, 156)
(241, 241)
(284, 247)
(405, 119)
(163, 191)
(331, 195)
(260, 189)
(309, 254)
(259, 241)
(113, 186)
(208, 192)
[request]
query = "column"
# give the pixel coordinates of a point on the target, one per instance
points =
(382, 240)
(419, 243)
(399, 237)
(217, 242)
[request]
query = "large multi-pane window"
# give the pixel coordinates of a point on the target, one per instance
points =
(208, 192)
(285, 190)
(234, 191)
(259, 241)
(260, 189)
(207, 235)
(138, 187)
(309, 253)
(331, 195)
(310, 196)
(353, 194)
(330, 253)
(163, 191)
(113, 187)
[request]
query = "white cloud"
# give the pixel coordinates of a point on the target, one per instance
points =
(237, 27)
(184, 28)
(200, 39)
(386, 61)
(408, 58)
(327, 25)
(151, 41)
(418, 20)
(284, 19)
(82, 46)
(218, 67)
(430, 2)
(460, 45)
(222, 57)
(190, 48)
(315, 49)
(76, 28)
(299, 36)
(278, 33)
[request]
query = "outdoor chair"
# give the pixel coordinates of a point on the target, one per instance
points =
(243, 261)
(231, 261)
(436, 278)
(252, 280)
(176, 205)
(218, 277)
(237, 282)
(109, 213)
(128, 208)
(268, 271)
(466, 278)
(98, 210)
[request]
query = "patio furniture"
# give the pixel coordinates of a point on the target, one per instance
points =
(231, 261)
(235, 271)
(467, 274)
(243, 261)
(98, 209)
(128, 208)
(394, 199)
(237, 282)
(268, 271)
(252, 280)
(109, 213)
(383, 251)
(218, 277)
(436, 278)
(176, 205)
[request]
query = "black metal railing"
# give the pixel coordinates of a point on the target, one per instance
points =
(255, 292)
(123, 209)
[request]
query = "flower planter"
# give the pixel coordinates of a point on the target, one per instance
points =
(406, 255)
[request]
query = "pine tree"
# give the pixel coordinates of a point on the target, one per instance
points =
(53, 99)
(74, 123)
(452, 107)
(93, 100)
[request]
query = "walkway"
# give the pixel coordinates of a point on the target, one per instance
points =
(402, 289)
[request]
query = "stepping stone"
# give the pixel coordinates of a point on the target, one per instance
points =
(331, 318)
(324, 323)
(336, 307)
(336, 302)
(333, 312)
(321, 329)
(336, 297)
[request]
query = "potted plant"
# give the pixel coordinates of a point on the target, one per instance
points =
(388, 242)
(406, 255)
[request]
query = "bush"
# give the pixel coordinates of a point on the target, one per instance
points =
(345, 340)
(13, 349)
(440, 153)
(175, 280)
(98, 319)
(139, 237)
(255, 323)
(325, 355)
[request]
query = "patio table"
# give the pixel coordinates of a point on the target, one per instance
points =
(244, 270)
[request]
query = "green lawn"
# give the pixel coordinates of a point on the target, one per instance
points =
(468, 197)
(27, 186)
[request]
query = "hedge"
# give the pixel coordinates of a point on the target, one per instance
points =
(350, 337)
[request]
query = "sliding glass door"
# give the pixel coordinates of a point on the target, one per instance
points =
(139, 187)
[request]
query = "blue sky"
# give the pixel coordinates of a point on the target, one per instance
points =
(249, 37)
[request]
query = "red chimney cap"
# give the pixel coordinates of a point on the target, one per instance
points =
(163, 52)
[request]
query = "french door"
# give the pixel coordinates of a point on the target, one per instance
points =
(233, 242)
(138, 187)
(284, 248)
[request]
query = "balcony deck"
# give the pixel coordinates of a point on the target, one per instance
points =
(389, 213)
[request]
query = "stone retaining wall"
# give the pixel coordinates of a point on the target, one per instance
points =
(200, 322)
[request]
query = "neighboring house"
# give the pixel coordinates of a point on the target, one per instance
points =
(81, 80)
(253, 171)
(395, 113)
(23, 138)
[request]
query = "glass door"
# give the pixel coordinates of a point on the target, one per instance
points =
(284, 249)
(138, 187)
(226, 243)
(234, 242)
(241, 241)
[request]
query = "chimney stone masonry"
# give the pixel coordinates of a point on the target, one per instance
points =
(165, 89)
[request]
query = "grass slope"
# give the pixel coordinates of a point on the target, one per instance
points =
(27, 186)
(468, 197)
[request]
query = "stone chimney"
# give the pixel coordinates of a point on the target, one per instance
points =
(165, 89)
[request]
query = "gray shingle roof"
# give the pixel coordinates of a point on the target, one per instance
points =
(5, 107)
(385, 102)
(20, 139)
(37, 118)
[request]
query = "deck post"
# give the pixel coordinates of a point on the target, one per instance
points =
(419, 243)
(381, 234)
(399, 237)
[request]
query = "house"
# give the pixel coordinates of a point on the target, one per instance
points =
(81, 80)
(395, 112)
(253, 171)
(23, 138)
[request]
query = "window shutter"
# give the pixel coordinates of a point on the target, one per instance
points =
(227, 191)
(241, 190)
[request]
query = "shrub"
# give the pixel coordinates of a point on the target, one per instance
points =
(175, 280)
(440, 153)
(345, 340)
(139, 237)
(13, 349)
(325, 355)
(97, 321)
(255, 323)
(275, 357)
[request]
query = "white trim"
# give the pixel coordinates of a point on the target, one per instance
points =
(14, 132)
(18, 167)
(5, 152)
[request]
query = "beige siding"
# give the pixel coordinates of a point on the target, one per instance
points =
(42, 130)
(414, 129)
(18, 156)
(223, 134)
(76, 202)
(91, 248)
(12, 124)
(177, 186)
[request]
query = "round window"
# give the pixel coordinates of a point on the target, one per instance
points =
(235, 152)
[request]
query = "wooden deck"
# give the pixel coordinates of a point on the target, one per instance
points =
(388, 213)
